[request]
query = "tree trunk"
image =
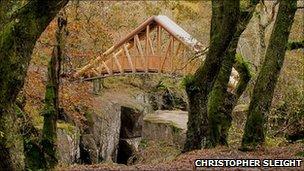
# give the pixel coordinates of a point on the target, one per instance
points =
(254, 134)
(17, 40)
(223, 25)
(219, 110)
(51, 108)
(231, 99)
(264, 22)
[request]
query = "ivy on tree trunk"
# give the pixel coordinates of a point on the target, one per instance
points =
(254, 134)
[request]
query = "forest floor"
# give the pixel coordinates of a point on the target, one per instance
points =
(186, 161)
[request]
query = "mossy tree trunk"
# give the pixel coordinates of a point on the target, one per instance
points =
(51, 108)
(219, 110)
(254, 134)
(17, 40)
(223, 25)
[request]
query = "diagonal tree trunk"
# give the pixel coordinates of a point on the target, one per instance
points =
(17, 40)
(264, 22)
(223, 25)
(219, 110)
(254, 134)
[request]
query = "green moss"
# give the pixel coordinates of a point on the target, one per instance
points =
(35, 159)
(274, 142)
(69, 128)
(301, 154)
(143, 143)
(176, 130)
(254, 132)
(18, 111)
(11, 142)
(188, 80)
(89, 117)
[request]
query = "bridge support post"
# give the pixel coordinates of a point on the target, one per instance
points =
(97, 85)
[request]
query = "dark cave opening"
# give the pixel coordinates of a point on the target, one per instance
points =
(131, 128)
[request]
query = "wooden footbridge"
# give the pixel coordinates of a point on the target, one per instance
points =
(158, 45)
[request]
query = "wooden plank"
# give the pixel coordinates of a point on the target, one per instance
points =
(178, 48)
(139, 48)
(147, 39)
(117, 63)
(147, 48)
(185, 62)
(159, 42)
(166, 55)
(151, 45)
(129, 58)
(171, 53)
(99, 68)
(179, 57)
(107, 68)
(95, 61)
(95, 72)
(98, 59)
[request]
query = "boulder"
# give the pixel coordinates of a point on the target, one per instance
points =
(127, 150)
(68, 139)
(169, 126)
(105, 127)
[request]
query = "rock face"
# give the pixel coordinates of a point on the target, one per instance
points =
(169, 126)
(68, 144)
(167, 100)
(115, 126)
(127, 150)
(131, 123)
(100, 142)
(130, 134)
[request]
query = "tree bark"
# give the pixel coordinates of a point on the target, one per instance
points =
(254, 134)
(219, 110)
(263, 24)
(17, 40)
(223, 25)
(51, 108)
